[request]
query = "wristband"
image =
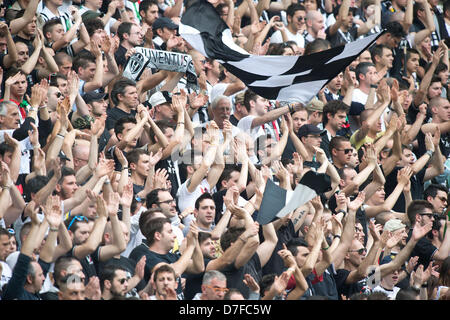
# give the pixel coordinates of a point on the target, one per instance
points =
(343, 211)
(125, 168)
(36, 146)
(60, 136)
(107, 181)
(180, 122)
(430, 153)
(6, 187)
(54, 229)
(336, 236)
(374, 86)
(325, 249)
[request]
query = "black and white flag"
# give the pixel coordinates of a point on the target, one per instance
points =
(282, 78)
(278, 202)
(159, 59)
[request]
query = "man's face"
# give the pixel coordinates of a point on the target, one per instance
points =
(65, 67)
(135, 37)
(298, 20)
(167, 237)
(99, 107)
(82, 233)
(370, 76)
(54, 96)
(165, 281)
(310, 5)
(318, 24)
(233, 180)
(165, 111)
(359, 232)
(4, 247)
(151, 14)
(3, 45)
(68, 186)
(391, 279)
(299, 118)
(206, 212)
(39, 278)
(130, 97)
(166, 33)
(30, 28)
(213, 67)
(387, 58)
(407, 101)
(301, 256)
(365, 57)
(167, 204)
(356, 253)
(435, 90)
(12, 245)
(392, 42)
(354, 160)
(57, 33)
(344, 153)
(87, 74)
(336, 83)
(222, 111)
(62, 85)
(413, 63)
(439, 202)
(119, 284)
(72, 291)
(12, 118)
(403, 234)
(312, 140)
(208, 249)
(425, 217)
(337, 120)
(379, 196)
(215, 290)
(126, 128)
(349, 175)
(143, 165)
(407, 158)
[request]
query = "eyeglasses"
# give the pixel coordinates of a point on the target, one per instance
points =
(217, 289)
(203, 61)
(59, 95)
(346, 151)
(443, 199)
(78, 218)
(300, 19)
(427, 214)
(167, 201)
(360, 251)
(122, 281)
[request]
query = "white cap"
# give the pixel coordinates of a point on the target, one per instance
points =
(160, 97)
(393, 225)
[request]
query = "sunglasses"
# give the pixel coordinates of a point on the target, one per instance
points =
(443, 199)
(360, 251)
(77, 218)
(122, 281)
(300, 19)
(346, 151)
(217, 289)
(167, 201)
(427, 214)
(59, 95)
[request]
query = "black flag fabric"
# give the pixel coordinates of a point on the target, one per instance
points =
(278, 202)
(282, 78)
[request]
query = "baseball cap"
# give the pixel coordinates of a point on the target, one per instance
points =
(393, 225)
(93, 96)
(308, 129)
(164, 22)
(160, 97)
(315, 105)
(90, 14)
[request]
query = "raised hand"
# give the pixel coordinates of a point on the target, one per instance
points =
(52, 211)
(140, 267)
(113, 204)
(420, 231)
(404, 175)
(154, 158)
(355, 204)
(251, 283)
(92, 289)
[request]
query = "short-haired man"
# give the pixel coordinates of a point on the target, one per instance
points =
(71, 287)
(214, 286)
(334, 118)
(164, 29)
(382, 58)
(125, 99)
(299, 118)
(113, 282)
(315, 26)
(164, 278)
(315, 113)
(205, 212)
(160, 241)
(148, 10)
(340, 150)
(295, 15)
(130, 36)
(161, 102)
(420, 213)
(437, 195)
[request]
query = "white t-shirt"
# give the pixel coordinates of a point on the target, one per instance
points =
(278, 38)
(25, 146)
(187, 199)
(245, 124)
(390, 293)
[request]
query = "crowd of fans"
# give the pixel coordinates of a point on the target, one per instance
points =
(113, 188)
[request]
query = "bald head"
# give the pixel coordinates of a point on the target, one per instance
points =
(314, 22)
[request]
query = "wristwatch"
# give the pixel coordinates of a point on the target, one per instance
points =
(430, 153)
(374, 86)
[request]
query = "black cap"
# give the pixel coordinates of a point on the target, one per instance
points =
(164, 22)
(93, 96)
(308, 129)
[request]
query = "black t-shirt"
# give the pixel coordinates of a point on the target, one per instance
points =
(348, 289)
(89, 263)
(129, 265)
(115, 114)
(444, 144)
(137, 188)
(235, 276)
(424, 249)
(152, 260)
(120, 56)
(194, 282)
(275, 263)
(169, 165)
(288, 150)
(416, 187)
(110, 154)
(341, 37)
(234, 121)
(325, 285)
